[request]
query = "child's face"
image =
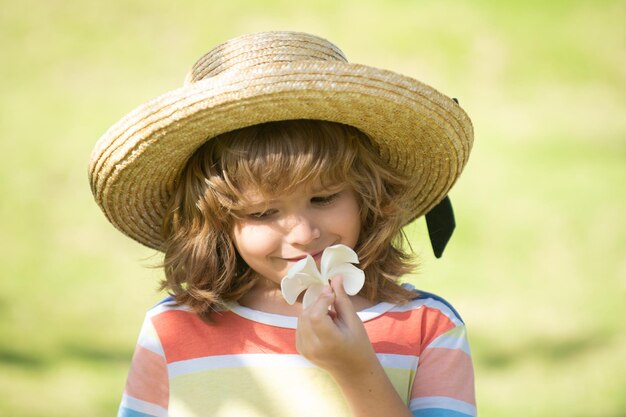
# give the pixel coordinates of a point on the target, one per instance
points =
(273, 235)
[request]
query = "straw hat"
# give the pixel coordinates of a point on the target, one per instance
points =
(266, 77)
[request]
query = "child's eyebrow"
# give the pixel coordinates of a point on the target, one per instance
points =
(332, 188)
(257, 205)
(330, 191)
(260, 204)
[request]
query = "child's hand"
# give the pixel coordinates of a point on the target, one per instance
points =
(335, 339)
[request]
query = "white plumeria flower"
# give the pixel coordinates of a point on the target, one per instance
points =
(336, 260)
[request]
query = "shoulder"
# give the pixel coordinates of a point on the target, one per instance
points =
(165, 305)
(427, 303)
(426, 320)
(170, 324)
(168, 315)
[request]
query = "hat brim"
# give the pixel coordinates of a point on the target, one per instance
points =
(416, 129)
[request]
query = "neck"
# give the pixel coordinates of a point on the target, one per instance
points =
(266, 296)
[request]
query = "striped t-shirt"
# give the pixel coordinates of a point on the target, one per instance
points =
(245, 364)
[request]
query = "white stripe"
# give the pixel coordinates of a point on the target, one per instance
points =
(291, 322)
(388, 360)
(451, 342)
(375, 311)
(237, 361)
(277, 320)
(446, 403)
(151, 344)
(148, 339)
(135, 404)
(260, 360)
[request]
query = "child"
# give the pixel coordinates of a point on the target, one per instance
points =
(277, 148)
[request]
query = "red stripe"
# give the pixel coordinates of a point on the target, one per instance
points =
(446, 373)
(389, 333)
(147, 379)
(185, 336)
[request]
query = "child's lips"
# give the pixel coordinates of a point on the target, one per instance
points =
(316, 256)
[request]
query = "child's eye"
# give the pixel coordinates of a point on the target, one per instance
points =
(260, 215)
(324, 200)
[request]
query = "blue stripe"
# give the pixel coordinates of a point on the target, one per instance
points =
(127, 412)
(423, 295)
(438, 412)
(163, 301)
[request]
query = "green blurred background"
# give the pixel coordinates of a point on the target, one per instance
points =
(537, 266)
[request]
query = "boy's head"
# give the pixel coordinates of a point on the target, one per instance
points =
(279, 159)
(253, 79)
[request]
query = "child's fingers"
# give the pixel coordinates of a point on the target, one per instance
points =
(343, 305)
(316, 317)
(315, 326)
(323, 302)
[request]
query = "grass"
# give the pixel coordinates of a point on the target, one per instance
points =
(536, 266)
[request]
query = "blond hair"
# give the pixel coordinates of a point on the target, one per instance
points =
(202, 267)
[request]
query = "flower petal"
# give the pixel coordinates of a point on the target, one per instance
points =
(300, 276)
(353, 277)
(312, 294)
(305, 266)
(292, 286)
(335, 255)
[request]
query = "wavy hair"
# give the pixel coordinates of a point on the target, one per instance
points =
(202, 267)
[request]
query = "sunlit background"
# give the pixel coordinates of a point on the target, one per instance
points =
(537, 267)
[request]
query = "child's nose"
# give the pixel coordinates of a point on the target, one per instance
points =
(301, 230)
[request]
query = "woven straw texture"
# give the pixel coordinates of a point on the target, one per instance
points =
(266, 77)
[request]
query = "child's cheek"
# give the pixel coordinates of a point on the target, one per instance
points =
(257, 235)
(252, 239)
